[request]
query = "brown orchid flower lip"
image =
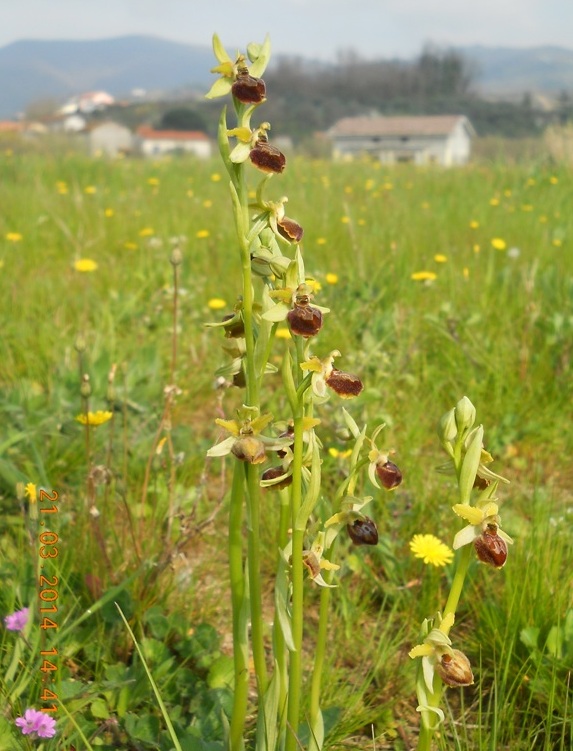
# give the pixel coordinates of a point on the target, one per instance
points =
(290, 230)
(304, 320)
(273, 473)
(249, 449)
(344, 384)
(363, 531)
(491, 548)
(389, 475)
(247, 89)
(267, 158)
(454, 669)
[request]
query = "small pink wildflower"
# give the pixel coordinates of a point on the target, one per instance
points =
(36, 724)
(16, 621)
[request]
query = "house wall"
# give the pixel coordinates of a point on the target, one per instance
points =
(157, 147)
(443, 150)
(111, 139)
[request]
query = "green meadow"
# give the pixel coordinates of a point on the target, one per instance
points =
(440, 284)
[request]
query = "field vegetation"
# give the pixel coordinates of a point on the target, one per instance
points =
(441, 283)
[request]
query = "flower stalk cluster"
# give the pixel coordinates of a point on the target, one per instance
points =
(441, 663)
(279, 454)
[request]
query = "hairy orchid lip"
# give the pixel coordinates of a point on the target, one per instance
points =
(267, 158)
(304, 320)
(275, 472)
(290, 230)
(389, 475)
(363, 531)
(454, 669)
(491, 548)
(344, 384)
(249, 449)
(247, 89)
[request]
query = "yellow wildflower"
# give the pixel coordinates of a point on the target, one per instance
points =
(202, 233)
(474, 224)
(283, 333)
(553, 180)
(85, 264)
(431, 550)
(498, 243)
(494, 202)
(109, 212)
(466, 272)
(424, 276)
(425, 205)
(90, 190)
(216, 303)
(130, 245)
(215, 177)
(321, 240)
(13, 237)
(208, 203)
(527, 207)
(345, 219)
(476, 248)
(153, 181)
(557, 242)
(440, 258)
(94, 418)
(331, 278)
(30, 492)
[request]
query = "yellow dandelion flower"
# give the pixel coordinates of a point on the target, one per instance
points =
(348, 189)
(331, 278)
(202, 233)
(474, 224)
(1, 263)
(216, 303)
(94, 418)
(431, 550)
(215, 177)
(507, 193)
(130, 245)
(557, 242)
(85, 264)
(498, 243)
(190, 194)
(146, 232)
(283, 333)
(90, 190)
(345, 219)
(369, 184)
(388, 186)
(14, 237)
(153, 181)
(321, 240)
(543, 219)
(109, 212)
(425, 205)
(531, 181)
(440, 258)
(315, 285)
(527, 207)
(553, 180)
(362, 222)
(62, 189)
(424, 276)
(208, 203)
(466, 272)
(30, 492)
(476, 248)
(494, 201)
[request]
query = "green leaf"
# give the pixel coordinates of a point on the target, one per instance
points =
(221, 673)
(470, 465)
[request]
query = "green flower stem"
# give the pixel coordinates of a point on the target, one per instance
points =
(319, 657)
(254, 568)
(240, 633)
(279, 645)
(458, 582)
(297, 577)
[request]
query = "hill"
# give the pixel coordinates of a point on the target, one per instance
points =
(32, 69)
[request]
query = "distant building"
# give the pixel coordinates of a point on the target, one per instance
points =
(111, 139)
(158, 142)
(427, 139)
(90, 101)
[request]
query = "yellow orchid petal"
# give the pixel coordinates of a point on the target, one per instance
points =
(421, 650)
(308, 423)
(313, 364)
(490, 509)
(230, 425)
(469, 513)
(328, 566)
(243, 134)
(260, 423)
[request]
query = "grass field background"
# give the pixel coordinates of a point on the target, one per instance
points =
(440, 284)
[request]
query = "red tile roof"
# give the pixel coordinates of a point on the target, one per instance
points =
(423, 125)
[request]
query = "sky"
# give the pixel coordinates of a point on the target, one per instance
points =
(318, 29)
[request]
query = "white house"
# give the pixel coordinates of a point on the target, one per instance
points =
(158, 142)
(439, 139)
(111, 139)
(88, 102)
